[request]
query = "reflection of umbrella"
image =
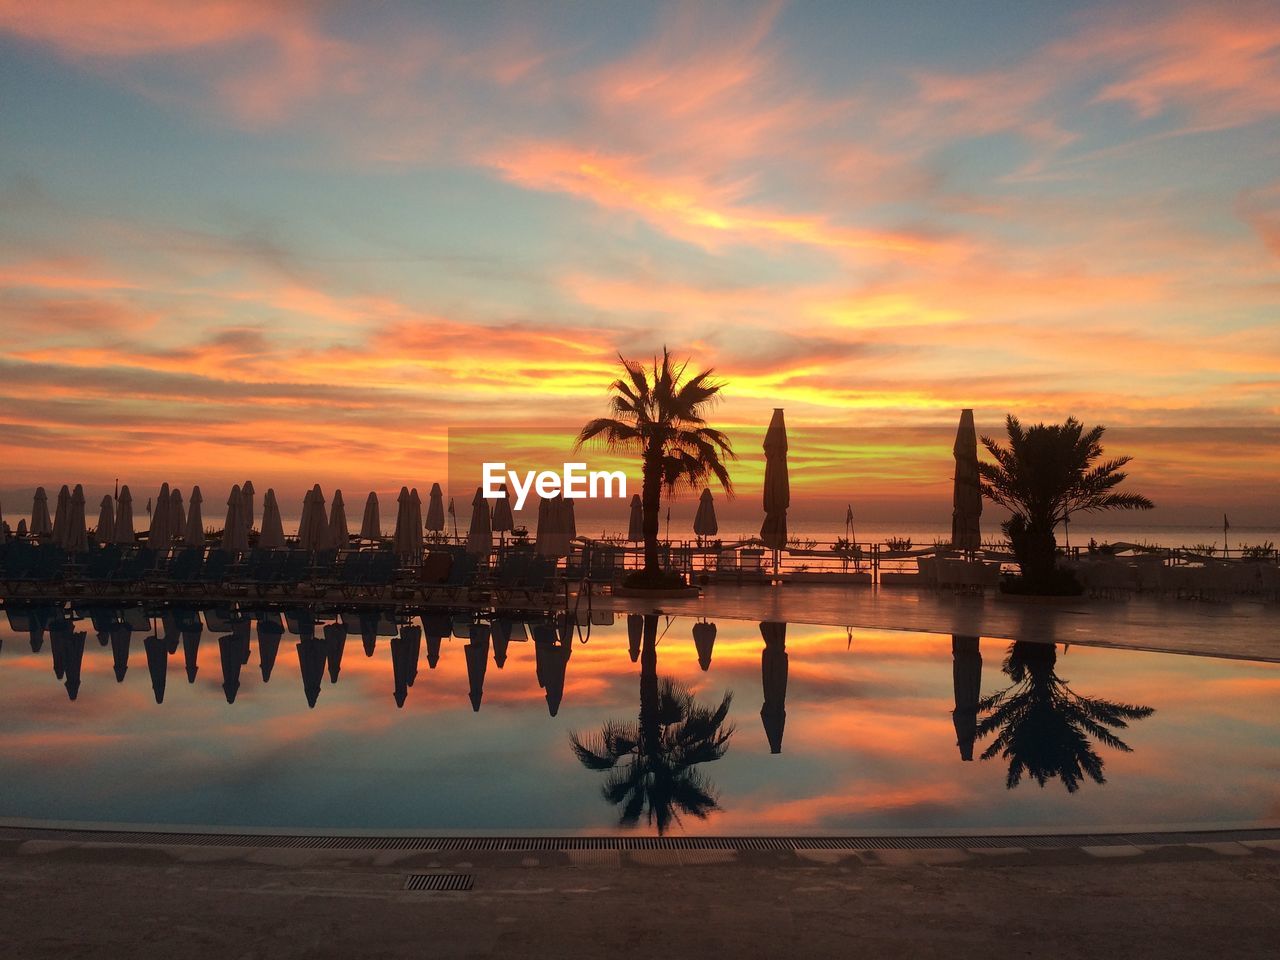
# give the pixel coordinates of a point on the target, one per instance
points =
(966, 495)
(59, 631)
(191, 631)
(157, 663)
(435, 509)
(635, 525)
(271, 536)
(503, 629)
(480, 536)
(477, 654)
(72, 657)
(773, 672)
(270, 630)
(704, 521)
(551, 661)
(41, 528)
(503, 520)
(234, 538)
(335, 641)
(194, 536)
(966, 678)
(121, 635)
(339, 536)
(159, 532)
(635, 633)
(311, 660)
(77, 535)
(60, 516)
(405, 650)
(436, 626)
(106, 530)
(704, 639)
(230, 649)
(777, 486)
(371, 525)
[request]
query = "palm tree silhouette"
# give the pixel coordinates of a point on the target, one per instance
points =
(1043, 728)
(1045, 475)
(661, 414)
(653, 763)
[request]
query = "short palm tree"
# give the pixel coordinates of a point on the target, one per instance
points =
(653, 763)
(1043, 728)
(1046, 474)
(660, 414)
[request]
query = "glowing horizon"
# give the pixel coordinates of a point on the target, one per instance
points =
(300, 243)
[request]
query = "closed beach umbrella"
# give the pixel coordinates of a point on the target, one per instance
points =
(777, 485)
(40, 528)
(77, 534)
(161, 517)
(247, 491)
(177, 515)
(966, 496)
(568, 520)
(773, 673)
(553, 527)
(402, 540)
(371, 525)
(480, 535)
(313, 529)
(704, 521)
(124, 516)
(415, 521)
(59, 532)
(966, 679)
(271, 536)
(106, 530)
(502, 520)
(339, 536)
(234, 532)
(635, 525)
(194, 536)
(435, 509)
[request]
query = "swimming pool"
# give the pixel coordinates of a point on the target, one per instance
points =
(427, 722)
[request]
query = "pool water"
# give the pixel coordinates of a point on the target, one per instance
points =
(642, 724)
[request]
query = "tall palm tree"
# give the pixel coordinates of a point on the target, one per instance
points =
(1043, 728)
(1046, 474)
(661, 415)
(653, 763)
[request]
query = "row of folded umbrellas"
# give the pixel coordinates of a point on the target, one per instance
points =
(321, 526)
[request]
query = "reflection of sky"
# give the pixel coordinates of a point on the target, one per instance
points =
(869, 741)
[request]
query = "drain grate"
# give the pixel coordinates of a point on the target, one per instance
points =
(438, 881)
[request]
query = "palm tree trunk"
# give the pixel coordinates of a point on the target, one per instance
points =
(650, 502)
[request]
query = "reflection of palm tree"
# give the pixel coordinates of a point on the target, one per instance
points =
(652, 763)
(1044, 728)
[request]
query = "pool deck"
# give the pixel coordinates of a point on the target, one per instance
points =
(62, 897)
(1240, 629)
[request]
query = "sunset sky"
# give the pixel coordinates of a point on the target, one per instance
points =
(300, 242)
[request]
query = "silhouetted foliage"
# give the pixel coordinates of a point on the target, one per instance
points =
(1043, 728)
(661, 415)
(1046, 474)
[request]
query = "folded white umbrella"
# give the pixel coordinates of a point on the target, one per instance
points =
(415, 518)
(704, 521)
(234, 532)
(966, 490)
(194, 534)
(480, 535)
(106, 530)
(271, 536)
(40, 527)
(313, 530)
(402, 539)
(502, 518)
(158, 535)
(635, 523)
(435, 509)
(177, 515)
(124, 517)
(247, 491)
(339, 536)
(777, 484)
(555, 526)
(371, 525)
(77, 534)
(59, 533)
